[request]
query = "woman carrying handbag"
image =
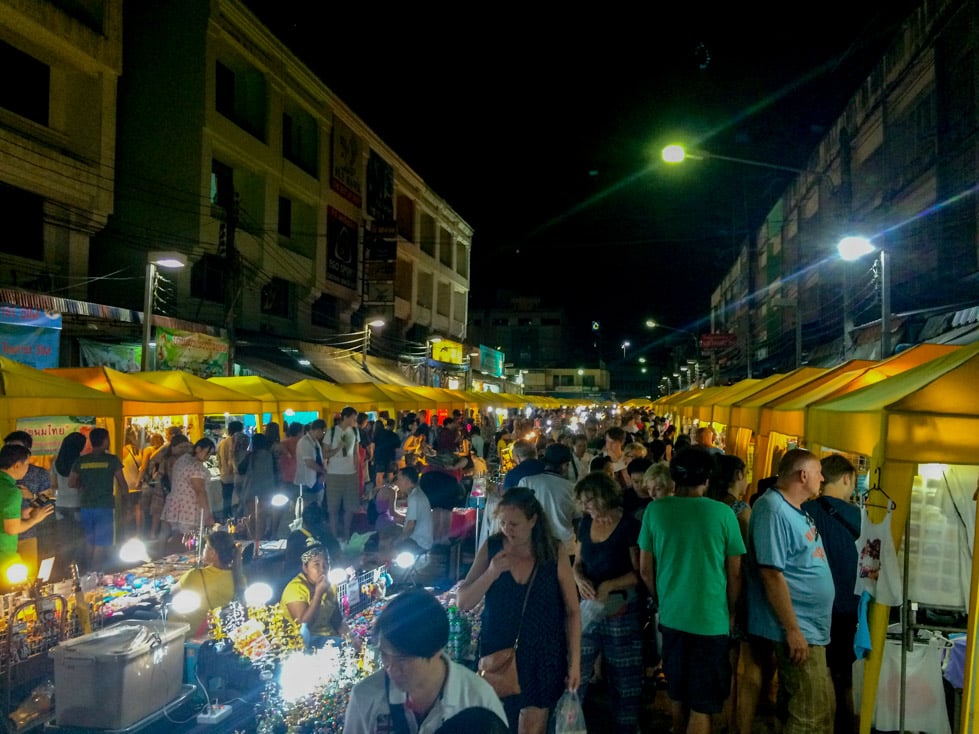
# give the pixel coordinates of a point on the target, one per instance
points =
(531, 612)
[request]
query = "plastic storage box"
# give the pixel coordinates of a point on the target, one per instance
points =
(112, 678)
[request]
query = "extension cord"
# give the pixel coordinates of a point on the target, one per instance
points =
(215, 712)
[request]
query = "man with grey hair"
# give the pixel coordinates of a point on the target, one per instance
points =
(525, 455)
(790, 593)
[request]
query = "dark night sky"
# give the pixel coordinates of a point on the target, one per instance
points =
(544, 132)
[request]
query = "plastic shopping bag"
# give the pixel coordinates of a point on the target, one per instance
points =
(592, 612)
(568, 715)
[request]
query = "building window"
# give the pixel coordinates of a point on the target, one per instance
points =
(501, 322)
(239, 95)
(428, 235)
(26, 84)
(406, 217)
(285, 217)
(222, 187)
(445, 247)
(300, 141)
(588, 380)
(403, 278)
(275, 298)
(524, 321)
(326, 312)
(22, 214)
(462, 260)
(207, 278)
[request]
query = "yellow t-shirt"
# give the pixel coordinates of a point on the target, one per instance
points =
(298, 590)
(215, 586)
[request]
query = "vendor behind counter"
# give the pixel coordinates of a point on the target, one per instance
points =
(215, 584)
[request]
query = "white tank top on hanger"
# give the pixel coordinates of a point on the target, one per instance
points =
(877, 568)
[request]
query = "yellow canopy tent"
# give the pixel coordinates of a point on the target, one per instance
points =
(26, 392)
(139, 398)
(929, 413)
(215, 399)
(278, 400)
(698, 407)
(333, 397)
(746, 418)
(380, 399)
(638, 403)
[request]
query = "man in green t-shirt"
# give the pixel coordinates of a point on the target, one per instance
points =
(94, 476)
(690, 550)
(14, 462)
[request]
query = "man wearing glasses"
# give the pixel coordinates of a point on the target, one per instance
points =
(790, 593)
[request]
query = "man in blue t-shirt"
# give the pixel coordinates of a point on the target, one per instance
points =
(790, 593)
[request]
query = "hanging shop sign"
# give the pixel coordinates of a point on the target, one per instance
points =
(30, 336)
(120, 357)
(447, 352)
(380, 262)
(491, 361)
(49, 431)
(346, 176)
(200, 354)
(341, 248)
(380, 187)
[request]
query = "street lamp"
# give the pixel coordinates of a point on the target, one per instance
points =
(853, 248)
(170, 260)
(376, 323)
(676, 153)
(625, 345)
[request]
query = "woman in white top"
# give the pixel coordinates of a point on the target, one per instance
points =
(67, 498)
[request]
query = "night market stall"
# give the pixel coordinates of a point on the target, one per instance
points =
(916, 431)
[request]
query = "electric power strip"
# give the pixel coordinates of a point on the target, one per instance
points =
(214, 713)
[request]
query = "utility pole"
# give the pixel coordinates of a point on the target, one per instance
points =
(232, 278)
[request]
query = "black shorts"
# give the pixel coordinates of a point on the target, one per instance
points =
(839, 651)
(697, 668)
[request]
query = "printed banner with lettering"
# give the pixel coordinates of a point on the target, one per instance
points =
(346, 173)
(49, 431)
(447, 352)
(200, 354)
(120, 357)
(30, 336)
(380, 187)
(490, 361)
(341, 248)
(380, 262)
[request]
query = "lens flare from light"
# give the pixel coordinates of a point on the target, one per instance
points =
(134, 551)
(258, 595)
(17, 573)
(405, 559)
(185, 601)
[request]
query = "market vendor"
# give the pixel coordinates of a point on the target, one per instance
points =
(418, 681)
(216, 583)
(311, 601)
(14, 462)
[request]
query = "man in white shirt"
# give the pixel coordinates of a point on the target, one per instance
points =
(419, 530)
(556, 494)
(581, 458)
(340, 448)
(418, 685)
(309, 463)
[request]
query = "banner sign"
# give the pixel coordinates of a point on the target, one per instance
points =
(718, 341)
(187, 351)
(30, 336)
(120, 357)
(380, 187)
(491, 361)
(341, 248)
(345, 168)
(380, 262)
(49, 431)
(447, 351)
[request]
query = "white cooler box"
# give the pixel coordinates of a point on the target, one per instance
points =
(112, 678)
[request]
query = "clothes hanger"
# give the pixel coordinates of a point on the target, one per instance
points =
(891, 504)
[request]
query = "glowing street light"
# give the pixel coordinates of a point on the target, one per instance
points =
(376, 323)
(676, 153)
(170, 260)
(625, 345)
(853, 248)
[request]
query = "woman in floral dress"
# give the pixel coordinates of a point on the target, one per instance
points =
(188, 490)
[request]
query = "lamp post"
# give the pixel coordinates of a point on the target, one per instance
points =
(171, 260)
(675, 153)
(625, 345)
(853, 248)
(376, 323)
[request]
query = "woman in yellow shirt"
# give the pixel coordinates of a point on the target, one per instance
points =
(216, 583)
(311, 601)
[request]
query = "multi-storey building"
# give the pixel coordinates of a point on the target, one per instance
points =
(899, 166)
(297, 222)
(61, 61)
